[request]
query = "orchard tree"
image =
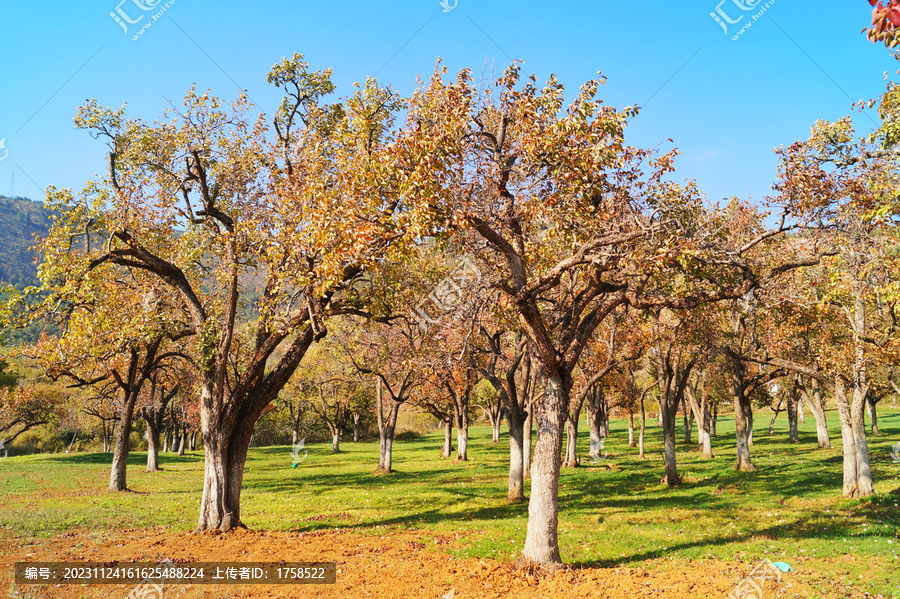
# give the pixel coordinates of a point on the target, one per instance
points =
(206, 202)
(162, 389)
(573, 223)
(115, 329)
(27, 405)
(386, 356)
(856, 290)
(507, 367)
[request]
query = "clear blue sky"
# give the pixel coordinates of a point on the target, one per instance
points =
(725, 103)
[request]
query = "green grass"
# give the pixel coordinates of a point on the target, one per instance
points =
(613, 513)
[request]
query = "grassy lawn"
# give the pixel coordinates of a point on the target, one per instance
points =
(614, 513)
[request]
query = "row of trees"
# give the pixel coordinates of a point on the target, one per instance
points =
(232, 246)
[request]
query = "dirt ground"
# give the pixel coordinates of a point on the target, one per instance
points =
(409, 564)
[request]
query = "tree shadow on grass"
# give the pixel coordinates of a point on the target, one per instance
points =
(812, 530)
(135, 458)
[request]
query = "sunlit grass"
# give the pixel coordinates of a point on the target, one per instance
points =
(612, 513)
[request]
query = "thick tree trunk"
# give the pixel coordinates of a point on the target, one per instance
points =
(335, 442)
(165, 436)
(386, 452)
(817, 408)
(462, 444)
(387, 424)
(448, 438)
(461, 413)
(865, 483)
(542, 540)
(117, 475)
(356, 417)
(669, 413)
(223, 478)
(516, 486)
(183, 444)
(496, 415)
(193, 441)
(743, 417)
(857, 471)
(152, 444)
(742, 433)
(850, 485)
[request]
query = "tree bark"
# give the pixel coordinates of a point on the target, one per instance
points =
(448, 438)
(387, 424)
(814, 401)
(669, 412)
(183, 444)
(793, 399)
(643, 428)
(857, 478)
(701, 411)
(152, 444)
(571, 459)
(527, 441)
(462, 433)
(542, 540)
(688, 417)
(117, 475)
(495, 413)
(743, 414)
(777, 411)
(516, 486)
(630, 428)
(223, 477)
(873, 414)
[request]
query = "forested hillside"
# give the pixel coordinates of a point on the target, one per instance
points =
(20, 220)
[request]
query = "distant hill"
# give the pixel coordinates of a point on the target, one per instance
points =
(20, 220)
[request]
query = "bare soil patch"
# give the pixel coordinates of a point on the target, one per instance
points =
(404, 564)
